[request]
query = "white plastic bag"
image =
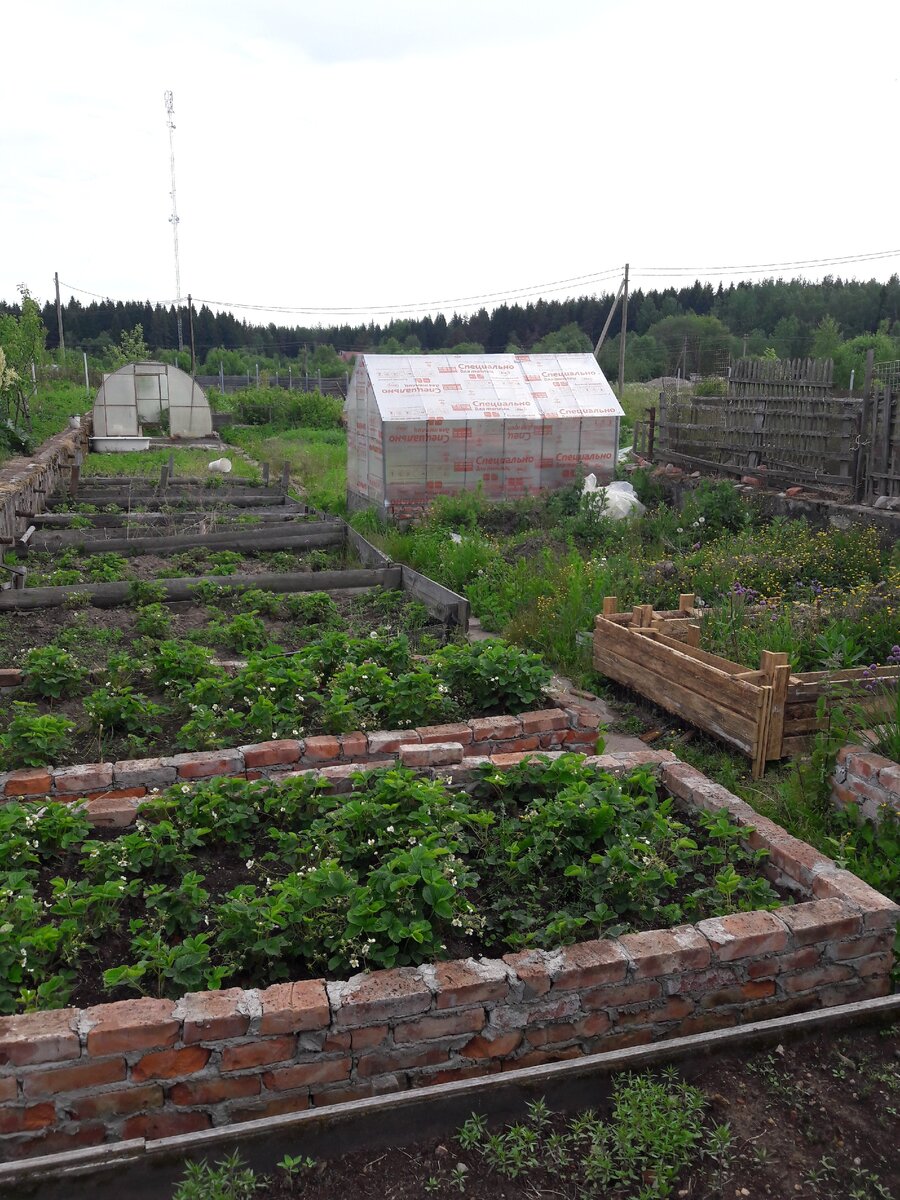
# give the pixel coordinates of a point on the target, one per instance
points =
(618, 500)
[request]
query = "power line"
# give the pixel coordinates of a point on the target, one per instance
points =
(759, 268)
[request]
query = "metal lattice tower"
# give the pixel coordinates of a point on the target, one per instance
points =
(173, 219)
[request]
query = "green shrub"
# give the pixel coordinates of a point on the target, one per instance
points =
(491, 676)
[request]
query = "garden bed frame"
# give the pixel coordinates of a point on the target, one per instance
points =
(767, 714)
(148, 1069)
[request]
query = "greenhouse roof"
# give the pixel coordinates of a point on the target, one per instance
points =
(465, 387)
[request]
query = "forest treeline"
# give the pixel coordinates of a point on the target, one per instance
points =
(692, 329)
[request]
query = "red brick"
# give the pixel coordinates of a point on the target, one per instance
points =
(258, 1054)
(26, 1118)
(621, 1041)
(106, 813)
(59, 1141)
(165, 1124)
(169, 1064)
(321, 749)
(9, 1088)
(369, 999)
(743, 935)
(555, 1033)
(272, 754)
(304, 1074)
(665, 951)
(878, 912)
(797, 859)
(868, 764)
(800, 960)
(381, 1062)
(123, 793)
(466, 981)
(86, 777)
(820, 921)
(35, 781)
(503, 761)
(694, 983)
(852, 992)
(443, 1026)
(755, 990)
(519, 745)
(772, 1009)
(214, 1091)
(460, 732)
(544, 720)
(388, 741)
(270, 1108)
(213, 1016)
(366, 1038)
(874, 943)
(818, 977)
(486, 729)
(131, 1025)
(498, 1047)
(354, 746)
(39, 1037)
(874, 964)
(619, 997)
(556, 1008)
(434, 754)
(152, 772)
(121, 1102)
(294, 1007)
(676, 1008)
(531, 968)
(77, 1078)
(588, 963)
(203, 764)
(580, 739)
(335, 1042)
(889, 778)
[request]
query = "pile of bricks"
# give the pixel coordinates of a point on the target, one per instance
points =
(868, 780)
(26, 482)
(153, 1068)
(568, 726)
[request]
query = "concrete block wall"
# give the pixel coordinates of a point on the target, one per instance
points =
(151, 1068)
(26, 482)
(568, 726)
(866, 779)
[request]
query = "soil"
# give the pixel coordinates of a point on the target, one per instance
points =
(184, 564)
(815, 1119)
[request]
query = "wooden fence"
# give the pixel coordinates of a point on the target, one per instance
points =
(795, 439)
(796, 377)
(766, 714)
(880, 442)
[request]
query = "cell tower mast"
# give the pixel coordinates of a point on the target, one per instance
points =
(173, 219)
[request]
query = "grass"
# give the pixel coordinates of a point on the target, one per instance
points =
(51, 408)
(317, 458)
(189, 464)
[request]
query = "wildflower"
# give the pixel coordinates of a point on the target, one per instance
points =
(185, 788)
(249, 864)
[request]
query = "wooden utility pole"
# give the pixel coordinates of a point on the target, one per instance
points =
(622, 335)
(605, 331)
(191, 327)
(62, 340)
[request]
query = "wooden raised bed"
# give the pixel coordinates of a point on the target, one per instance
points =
(766, 714)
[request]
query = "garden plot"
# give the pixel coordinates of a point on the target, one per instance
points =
(707, 917)
(232, 667)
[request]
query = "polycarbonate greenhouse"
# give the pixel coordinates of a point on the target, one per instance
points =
(419, 426)
(151, 393)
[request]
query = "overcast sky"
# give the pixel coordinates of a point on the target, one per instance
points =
(400, 155)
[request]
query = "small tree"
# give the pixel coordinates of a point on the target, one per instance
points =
(131, 347)
(22, 341)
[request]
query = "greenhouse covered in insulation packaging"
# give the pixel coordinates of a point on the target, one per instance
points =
(419, 426)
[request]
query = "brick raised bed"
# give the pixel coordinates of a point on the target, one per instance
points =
(566, 726)
(867, 780)
(152, 1068)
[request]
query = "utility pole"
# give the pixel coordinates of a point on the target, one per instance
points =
(744, 350)
(191, 327)
(62, 340)
(622, 336)
(173, 219)
(605, 331)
